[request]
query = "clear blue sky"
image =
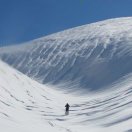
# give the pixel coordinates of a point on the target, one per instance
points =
(24, 20)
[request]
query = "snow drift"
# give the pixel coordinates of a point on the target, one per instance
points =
(26, 105)
(24, 102)
(92, 56)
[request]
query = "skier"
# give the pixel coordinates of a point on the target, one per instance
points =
(67, 107)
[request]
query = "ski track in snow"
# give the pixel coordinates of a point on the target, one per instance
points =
(95, 59)
(26, 105)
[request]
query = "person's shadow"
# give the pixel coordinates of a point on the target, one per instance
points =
(66, 113)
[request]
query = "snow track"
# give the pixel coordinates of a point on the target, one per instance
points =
(26, 105)
(94, 59)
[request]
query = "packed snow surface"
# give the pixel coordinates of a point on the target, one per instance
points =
(92, 56)
(95, 57)
(26, 105)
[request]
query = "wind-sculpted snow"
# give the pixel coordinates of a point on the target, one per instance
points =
(92, 56)
(26, 105)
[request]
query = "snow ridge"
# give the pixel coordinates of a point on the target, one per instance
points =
(77, 57)
(29, 106)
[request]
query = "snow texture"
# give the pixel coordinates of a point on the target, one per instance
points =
(95, 59)
(92, 56)
(26, 105)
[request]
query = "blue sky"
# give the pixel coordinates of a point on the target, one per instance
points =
(24, 20)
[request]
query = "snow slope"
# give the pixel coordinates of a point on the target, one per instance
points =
(24, 102)
(26, 105)
(92, 56)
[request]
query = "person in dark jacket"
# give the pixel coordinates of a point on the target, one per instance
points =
(67, 107)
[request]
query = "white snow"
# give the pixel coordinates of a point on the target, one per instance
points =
(26, 105)
(77, 57)
(96, 59)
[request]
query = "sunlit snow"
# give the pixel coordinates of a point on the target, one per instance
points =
(89, 67)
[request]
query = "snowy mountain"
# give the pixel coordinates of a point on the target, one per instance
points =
(24, 102)
(93, 56)
(26, 105)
